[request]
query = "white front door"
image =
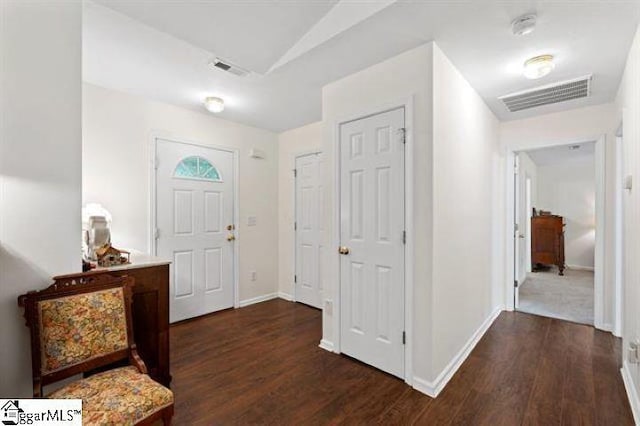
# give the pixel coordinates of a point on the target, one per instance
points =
(372, 240)
(194, 216)
(309, 226)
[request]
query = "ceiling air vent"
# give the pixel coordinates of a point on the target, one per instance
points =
(550, 94)
(227, 66)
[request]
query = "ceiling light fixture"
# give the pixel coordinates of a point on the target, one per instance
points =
(524, 25)
(214, 104)
(538, 66)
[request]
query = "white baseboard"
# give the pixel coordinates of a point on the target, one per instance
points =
(326, 345)
(433, 388)
(605, 326)
(258, 299)
(632, 394)
(286, 296)
(581, 268)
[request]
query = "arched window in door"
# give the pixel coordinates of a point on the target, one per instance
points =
(197, 168)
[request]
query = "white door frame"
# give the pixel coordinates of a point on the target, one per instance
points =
(153, 157)
(600, 143)
(407, 104)
(295, 157)
(619, 234)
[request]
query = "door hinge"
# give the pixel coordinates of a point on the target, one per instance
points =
(515, 283)
(295, 278)
(404, 237)
(404, 337)
(156, 233)
(295, 173)
(295, 226)
(403, 135)
(156, 164)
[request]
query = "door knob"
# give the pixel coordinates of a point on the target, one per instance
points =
(343, 250)
(231, 237)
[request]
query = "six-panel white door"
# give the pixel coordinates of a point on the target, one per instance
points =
(309, 227)
(372, 231)
(194, 208)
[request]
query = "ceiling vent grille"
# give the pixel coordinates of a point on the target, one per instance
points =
(227, 66)
(550, 94)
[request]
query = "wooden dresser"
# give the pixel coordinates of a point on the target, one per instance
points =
(150, 310)
(547, 242)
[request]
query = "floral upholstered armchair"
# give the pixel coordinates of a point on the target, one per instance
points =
(85, 325)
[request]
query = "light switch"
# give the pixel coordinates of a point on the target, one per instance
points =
(252, 221)
(628, 182)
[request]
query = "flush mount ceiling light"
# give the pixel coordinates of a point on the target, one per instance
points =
(524, 25)
(538, 66)
(214, 104)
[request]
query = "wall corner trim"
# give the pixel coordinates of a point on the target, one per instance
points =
(326, 345)
(632, 394)
(258, 299)
(285, 296)
(433, 388)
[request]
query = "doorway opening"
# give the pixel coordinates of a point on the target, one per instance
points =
(555, 232)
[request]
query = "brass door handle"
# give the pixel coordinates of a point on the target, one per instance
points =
(343, 250)
(231, 237)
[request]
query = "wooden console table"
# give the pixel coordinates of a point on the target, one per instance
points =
(150, 310)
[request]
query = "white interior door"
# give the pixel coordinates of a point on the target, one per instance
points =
(527, 267)
(309, 226)
(518, 235)
(194, 216)
(372, 240)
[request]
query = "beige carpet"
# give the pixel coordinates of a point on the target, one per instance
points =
(569, 297)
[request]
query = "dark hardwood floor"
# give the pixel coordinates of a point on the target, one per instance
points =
(262, 365)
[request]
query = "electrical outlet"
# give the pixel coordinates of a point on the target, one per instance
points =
(634, 352)
(328, 307)
(253, 275)
(252, 221)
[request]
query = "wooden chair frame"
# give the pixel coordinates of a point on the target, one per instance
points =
(72, 287)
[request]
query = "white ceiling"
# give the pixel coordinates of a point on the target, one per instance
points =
(559, 155)
(161, 49)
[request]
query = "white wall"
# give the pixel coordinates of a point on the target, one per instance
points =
(628, 102)
(117, 133)
(291, 143)
(569, 190)
(394, 80)
(40, 168)
(576, 126)
(466, 216)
